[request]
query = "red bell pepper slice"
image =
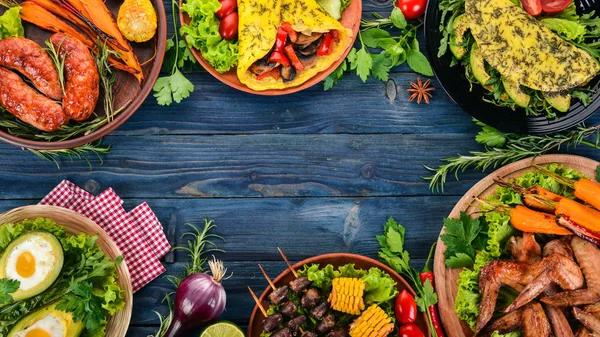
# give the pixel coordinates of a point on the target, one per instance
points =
(281, 39)
(336, 35)
(291, 54)
(273, 73)
(278, 57)
(326, 46)
(292, 34)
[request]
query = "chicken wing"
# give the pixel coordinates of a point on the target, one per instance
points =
(535, 322)
(525, 248)
(588, 320)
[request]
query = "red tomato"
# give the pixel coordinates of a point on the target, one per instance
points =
(228, 28)
(412, 9)
(533, 7)
(555, 6)
(227, 7)
(405, 308)
(410, 330)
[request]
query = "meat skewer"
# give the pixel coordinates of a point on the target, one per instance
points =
(278, 294)
(300, 283)
(270, 323)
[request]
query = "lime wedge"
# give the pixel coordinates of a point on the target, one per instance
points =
(222, 329)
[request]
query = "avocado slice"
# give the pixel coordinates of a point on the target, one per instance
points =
(478, 66)
(460, 25)
(560, 101)
(47, 318)
(35, 259)
(514, 91)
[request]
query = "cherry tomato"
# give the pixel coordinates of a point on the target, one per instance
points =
(412, 9)
(405, 308)
(227, 7)
(533, 7)
(410, 330)
(228, 28)
(555, 6)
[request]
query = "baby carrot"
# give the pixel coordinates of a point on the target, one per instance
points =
(527, 220)
(588, 191)
(579, 213)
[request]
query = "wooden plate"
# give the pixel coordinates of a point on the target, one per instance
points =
(350, 19)
(74, 223)
(337, 260)
(445, 278)
(126, 87)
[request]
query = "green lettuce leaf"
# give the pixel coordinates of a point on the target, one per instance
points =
(10, 23)
(569, 30)
(9, 232)
(379, 286)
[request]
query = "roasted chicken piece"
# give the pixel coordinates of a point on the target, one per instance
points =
(560, 246)
(588, 257)
(589, 320)
(558, 321)
(525, 248)
(531, 319)
(504, 324)
(557, 269)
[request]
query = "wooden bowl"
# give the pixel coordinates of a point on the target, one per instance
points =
(337, 260)
(74, 223)
(350, 19)
(445, 278)
(126, 87)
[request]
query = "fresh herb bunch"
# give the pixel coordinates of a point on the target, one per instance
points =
(392, 50)
(174, 87)
(393, 254)
(503, 148)
(201, 244)
(463, 238)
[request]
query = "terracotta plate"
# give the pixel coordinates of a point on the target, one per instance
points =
(445, 278)
(337, 260)
(350, 19)
(74, 223)
(126, 88)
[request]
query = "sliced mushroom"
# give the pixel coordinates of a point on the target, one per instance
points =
(310, 48)
(262, 66)
(306, 39)
(288, 73)
(308, 60)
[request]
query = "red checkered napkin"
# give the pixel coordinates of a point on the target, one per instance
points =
(138, 234)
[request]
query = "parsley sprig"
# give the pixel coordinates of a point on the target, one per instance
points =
(392, 50)
(84, 305)
(393, 254)
(8, 287)
(174, 87)
(463, 237)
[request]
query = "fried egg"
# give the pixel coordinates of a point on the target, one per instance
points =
(30, 262)
(48, 326)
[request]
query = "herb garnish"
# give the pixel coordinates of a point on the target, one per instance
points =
(463, 237)
(598, 173)
(84, 305)
(7, 287)
(393, 50)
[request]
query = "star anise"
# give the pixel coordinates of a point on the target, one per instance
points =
(420, 91)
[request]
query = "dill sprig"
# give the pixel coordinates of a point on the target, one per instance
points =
(198, 247)
(504, 148)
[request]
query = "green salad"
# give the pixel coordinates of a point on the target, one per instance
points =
(473, 243)
(51, 280)
(203, 34)
(537, 63)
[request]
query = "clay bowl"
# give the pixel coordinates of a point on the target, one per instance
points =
(335, 259)
(350, 19)
(74, 223)
(126, 87)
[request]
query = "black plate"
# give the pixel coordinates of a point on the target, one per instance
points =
(454, 82)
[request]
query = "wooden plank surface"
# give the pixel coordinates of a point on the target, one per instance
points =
(314, 172)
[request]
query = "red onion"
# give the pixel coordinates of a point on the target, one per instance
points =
(200, 298)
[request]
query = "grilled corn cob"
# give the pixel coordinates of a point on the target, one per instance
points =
(374, 322)
(137, 20)
(347, 295)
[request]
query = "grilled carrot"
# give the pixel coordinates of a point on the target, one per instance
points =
(579, 213)
(528, 220)
(541, 199)
(580, 231)
(588, 191)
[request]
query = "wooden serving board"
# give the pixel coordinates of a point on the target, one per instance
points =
(445, 278)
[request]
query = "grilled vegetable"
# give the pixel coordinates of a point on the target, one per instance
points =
(527, 220)
(347, 295)
(137, 20)
(372, 323)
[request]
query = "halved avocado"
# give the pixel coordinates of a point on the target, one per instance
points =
(514, 91)
(560, 101)
(35, 259)
(46, 316)
(478, 65)
(460, 25)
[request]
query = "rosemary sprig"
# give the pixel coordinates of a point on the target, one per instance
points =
(107, 78)
(79, 152)
(503, 148)
(58, 63)
(198, 247)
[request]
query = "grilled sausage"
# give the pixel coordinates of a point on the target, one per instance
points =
(288, 309)
(272, 322)
(320, 310)
(296, 322)
(82, 81)
(278, 295)
(31, 60)
(310, 298)
(299, 284)
(28, 105)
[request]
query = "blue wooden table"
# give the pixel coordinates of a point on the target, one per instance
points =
(314, 172)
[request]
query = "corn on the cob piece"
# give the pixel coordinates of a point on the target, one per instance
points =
(347, 295)
(374, 322)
